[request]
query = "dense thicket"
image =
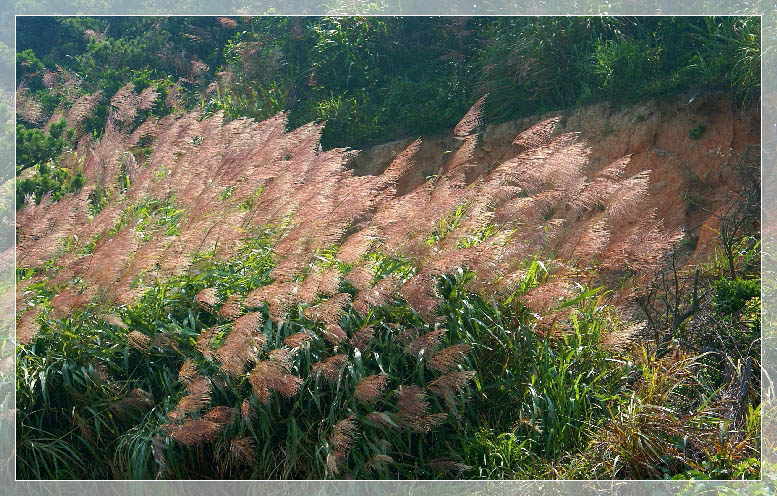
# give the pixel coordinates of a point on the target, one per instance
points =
(374, 79)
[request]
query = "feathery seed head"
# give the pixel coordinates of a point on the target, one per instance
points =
(230, 310)
(247, 411)
(426, 343)
(334, 334)
(448, 358)
(297, 340)
(330, 368)
(139, 341)
(243, 450)
(343, 434)
(362, 337)
(371, 388)
(380, 419)
(207, 299)
(221, 414)
(196, 431)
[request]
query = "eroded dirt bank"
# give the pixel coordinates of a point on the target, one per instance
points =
(604, 194)
(695, 152)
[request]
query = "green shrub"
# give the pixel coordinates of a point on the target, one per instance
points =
(534, 65)
(35, 147)
(51, 179)
(502, 456)
(697, 131)
(731, 295)
(377, 79)
(622, 68)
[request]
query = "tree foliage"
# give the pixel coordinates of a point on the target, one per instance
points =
(35, 147)
(374, 79)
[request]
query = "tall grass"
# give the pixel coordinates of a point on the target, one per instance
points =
(96, 401)
(94, 406)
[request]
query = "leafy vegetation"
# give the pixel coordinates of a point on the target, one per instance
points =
(618, 59)
(732, 295)
(49, 179)
(39, 150)
(355, 74)
(34, 147)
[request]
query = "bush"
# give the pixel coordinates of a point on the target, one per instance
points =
(625, 68)
(35, 147)
(355, 74)
(732, 295)
(48, 179)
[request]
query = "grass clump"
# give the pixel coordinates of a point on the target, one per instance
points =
(106, 390)
(486, 390)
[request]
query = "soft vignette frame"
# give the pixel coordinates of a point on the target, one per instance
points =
(765, 8)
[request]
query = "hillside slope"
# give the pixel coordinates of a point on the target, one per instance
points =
(605, 193)
(229, 291)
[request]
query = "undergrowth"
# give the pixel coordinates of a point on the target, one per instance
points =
(100, 390)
